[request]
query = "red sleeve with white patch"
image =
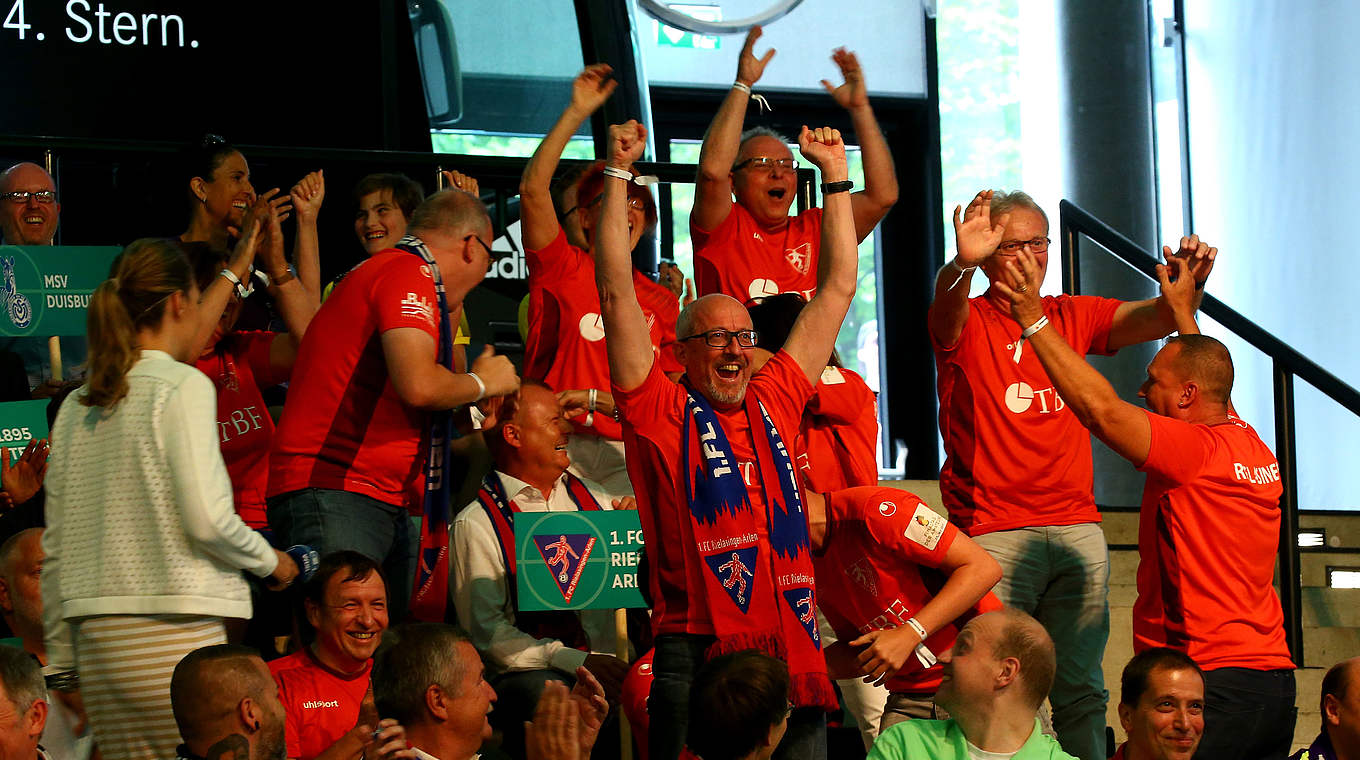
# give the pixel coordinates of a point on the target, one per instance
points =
(405, 297)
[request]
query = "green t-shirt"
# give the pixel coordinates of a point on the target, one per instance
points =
(943, 740)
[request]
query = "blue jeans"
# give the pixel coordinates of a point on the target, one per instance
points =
(1248, 714)
(331, 521)
(677, 660)
(1061, 576)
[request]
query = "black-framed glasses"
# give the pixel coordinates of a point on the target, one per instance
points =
(480, 242)
(764, 163)
(724, 338)
(1037, 245)
(19, 197)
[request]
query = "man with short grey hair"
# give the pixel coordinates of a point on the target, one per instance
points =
(1018, 472)
(29, 212)
(23, 706)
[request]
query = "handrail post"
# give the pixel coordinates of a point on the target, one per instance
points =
(1291, 590)
(1071, 274)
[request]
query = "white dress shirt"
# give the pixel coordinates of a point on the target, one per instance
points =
(481, 596)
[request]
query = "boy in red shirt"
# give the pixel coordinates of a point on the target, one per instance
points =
(718, 493)
(1200, 590)
(752, 248)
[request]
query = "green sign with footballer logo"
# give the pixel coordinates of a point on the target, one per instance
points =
(45, 290)
(21, 422)
(578, 560)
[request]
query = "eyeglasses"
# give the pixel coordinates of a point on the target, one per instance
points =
(20, 197)
(489, 252)
(1037, 245)
(767, 164)
(724, 338)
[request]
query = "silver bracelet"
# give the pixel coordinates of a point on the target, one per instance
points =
(481, 386)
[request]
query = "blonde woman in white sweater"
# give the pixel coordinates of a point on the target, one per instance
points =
(144, 548)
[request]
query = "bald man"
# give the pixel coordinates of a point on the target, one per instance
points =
(1209, 524)
(996, 675)
(29, 211)
(710, 458)
(227, 706)
(1340, 735)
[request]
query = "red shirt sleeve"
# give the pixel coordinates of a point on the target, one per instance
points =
(556, 259)
(909, 529)
(1094, 316)
(841, 397)
(1178, 450)
(404, 296)
(652, 402)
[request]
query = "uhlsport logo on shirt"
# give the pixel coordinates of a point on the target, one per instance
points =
(313, 704)
(1021, 396)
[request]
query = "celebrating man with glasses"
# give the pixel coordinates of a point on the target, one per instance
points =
(565, 346)
(29, 199)
(752, 248)
(719, 498)
(363, 440)
(1017, 472)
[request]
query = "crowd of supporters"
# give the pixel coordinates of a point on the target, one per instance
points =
(188, 567)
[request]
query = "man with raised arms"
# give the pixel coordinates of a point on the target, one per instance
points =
(718, 495)
(1209, 524)
(1017, 475)
(752, 248)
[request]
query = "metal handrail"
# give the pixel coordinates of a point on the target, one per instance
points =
(1074, 222)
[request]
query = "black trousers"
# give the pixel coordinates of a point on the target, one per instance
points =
(1248, 714)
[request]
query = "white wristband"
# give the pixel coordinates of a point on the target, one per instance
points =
(954, 262)
(614, 171)
(481, 386)
(915, 625)
(1028, 332)
(592, 396)
(746, 88)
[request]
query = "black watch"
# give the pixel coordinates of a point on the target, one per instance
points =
(836, 187)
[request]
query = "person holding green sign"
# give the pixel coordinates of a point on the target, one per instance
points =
(142, 542)
(719, 500)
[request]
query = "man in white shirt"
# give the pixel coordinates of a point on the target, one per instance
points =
(527, 437)
(23, 706)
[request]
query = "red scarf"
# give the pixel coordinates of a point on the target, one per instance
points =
(760, 593)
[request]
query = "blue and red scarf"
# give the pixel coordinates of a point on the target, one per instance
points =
(430, 596)
(760, 591)
(501, 509)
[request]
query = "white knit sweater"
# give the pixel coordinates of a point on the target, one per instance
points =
(140, 518)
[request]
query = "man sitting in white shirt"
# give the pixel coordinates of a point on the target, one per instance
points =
(527, 437)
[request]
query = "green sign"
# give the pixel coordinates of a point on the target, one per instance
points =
(669, 36)
(578, 560)
(45, 290)
(21, 422)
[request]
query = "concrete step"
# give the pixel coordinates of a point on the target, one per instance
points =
(1331, 607)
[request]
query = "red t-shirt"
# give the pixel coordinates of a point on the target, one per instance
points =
(343, 427)
(840, 433)
(743, 260)
(653, 419)
(1015, 455)
(565, 345)
(877, 568)
(1208, 531)
(320, 705)
(239, 367)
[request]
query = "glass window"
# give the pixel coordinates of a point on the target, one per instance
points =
(484, 95)
(887, 35)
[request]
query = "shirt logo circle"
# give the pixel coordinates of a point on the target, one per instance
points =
(1019, 396)
(592, 327)
(887, 509)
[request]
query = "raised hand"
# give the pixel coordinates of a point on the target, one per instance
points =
(627, 141)
(307, 195)
(885, 652)
(554, 733)
(824, 148)
(1179, 289)
(496, 373)
(592, 87)
(672, 277)
(591, 708)
(1020, 283)
(272, 208)
(852, 94)
(23, 479)
(749, 67)
(460, 181)
(976, 237)
(1198, 256)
